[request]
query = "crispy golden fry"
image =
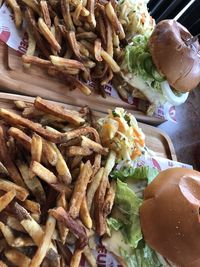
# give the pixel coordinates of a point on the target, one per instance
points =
(63, 230)
(93, 186)
(74, 226)
(29, 59)
(21, 192)
(84, 51)
(14, 224)
(32, 182)
(97, 50)
(17, 12)
(109, 199)
(100, 218)
(21, 105)
(32, 206)
(44, 243)
(80, 189)
(6, 159)
(85, 214)
(43, 173)
(109, 47)
(76, 161)
(58, 34)
(7, 233)
(76, 258)
(102, 28)
(17, 258)
(48, 35)
(67, 63)
(81, 131)
(45, 13)
(31, 48)
(111, 62)
(89, 47)
(6, 199)
(36, 148)
(88, 143)
(89, 257)
(21, 137)
(66, 15)
(76, 14)
(15, 119)
(112, 16)
(74, 151)
(60, 112)
(49, 152)
(86, 35)
(23, 242)
(91, 17)
(33, 5)
(32, 113)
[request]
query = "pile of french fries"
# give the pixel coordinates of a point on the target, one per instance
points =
(55, 193)
(77, 41)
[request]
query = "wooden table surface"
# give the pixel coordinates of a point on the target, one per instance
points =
(185, 134)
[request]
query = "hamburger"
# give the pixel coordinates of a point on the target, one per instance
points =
(162, 66)
(169, 216)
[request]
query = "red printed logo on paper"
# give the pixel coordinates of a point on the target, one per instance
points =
(4, 34)
(156, 164)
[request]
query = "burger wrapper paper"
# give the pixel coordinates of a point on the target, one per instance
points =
(18, 40)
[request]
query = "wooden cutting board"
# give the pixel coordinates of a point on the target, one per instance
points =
(156, 140)
(35, 81)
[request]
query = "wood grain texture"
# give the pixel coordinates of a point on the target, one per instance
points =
(35, 81)
(156, 139)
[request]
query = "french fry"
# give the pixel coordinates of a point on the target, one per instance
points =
(36, 148)
(21, 137)
(107, 79)
(33, 5)
(17, 12)
(76, 161)
(6, 199)
(109, 199)
(32, 182)
(14, 224)
(85, 214)
(97, 50)
(30, 59)
(45, 13)
(71, 37)
(100, 218)
(89, 257)
(48, 35)
(15, 119)
(17, 258)
(86, 35)
(63, 230)
(76, 14)
(109, 47)
(111, 62)
(45, 106)
(31, 206)
(86, 142)
(81, 131)
(112, 16)
(80, 189)
(91, 17)
(23, 242)
(7, 233)
(74, 151)
(49, 152)
(66, 15)
(21, 192)
(66, 63)
(76, 258)
(21, 105)
(3, 264)
(44, 243)
(6, 159)
(93, 186)
(32, 113)
(31, 48)
(44, 174)
(74, 226)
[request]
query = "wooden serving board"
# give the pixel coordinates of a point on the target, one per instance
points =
(156, 140)
(35, 81)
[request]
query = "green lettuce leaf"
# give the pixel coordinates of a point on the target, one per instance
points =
(140, 173)
(128, 204)
(114, 224)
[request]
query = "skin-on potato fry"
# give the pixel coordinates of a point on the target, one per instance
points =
(36, 148)
(74, 151)
(33, 5)
(67, 63)
(60, 112)
(109, 47)
(17, 12)
(6, 199)
(15, 119)
(74, 226)
(112, 16)
(86, 142)
(17, 258)
(6, 159)
(80, 189)
(45, 242)
(86, 35)
(97, 50)
(45, 13)
(109, 199)
(76, 14)
(49, 152)
(76, 258)
(100, 218)
(21, 192)
(21, 137)
(14, 224)
(63, 230)
(91, 17)
(31, 48)
(31, 206)
(66, 15)
(46, 175)
(48, 35)
(85, 214)
(111, 62)
(30, 59)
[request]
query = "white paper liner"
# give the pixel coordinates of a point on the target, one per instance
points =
(18, 40)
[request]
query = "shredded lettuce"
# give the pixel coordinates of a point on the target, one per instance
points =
(140, 173)
(128, 204)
